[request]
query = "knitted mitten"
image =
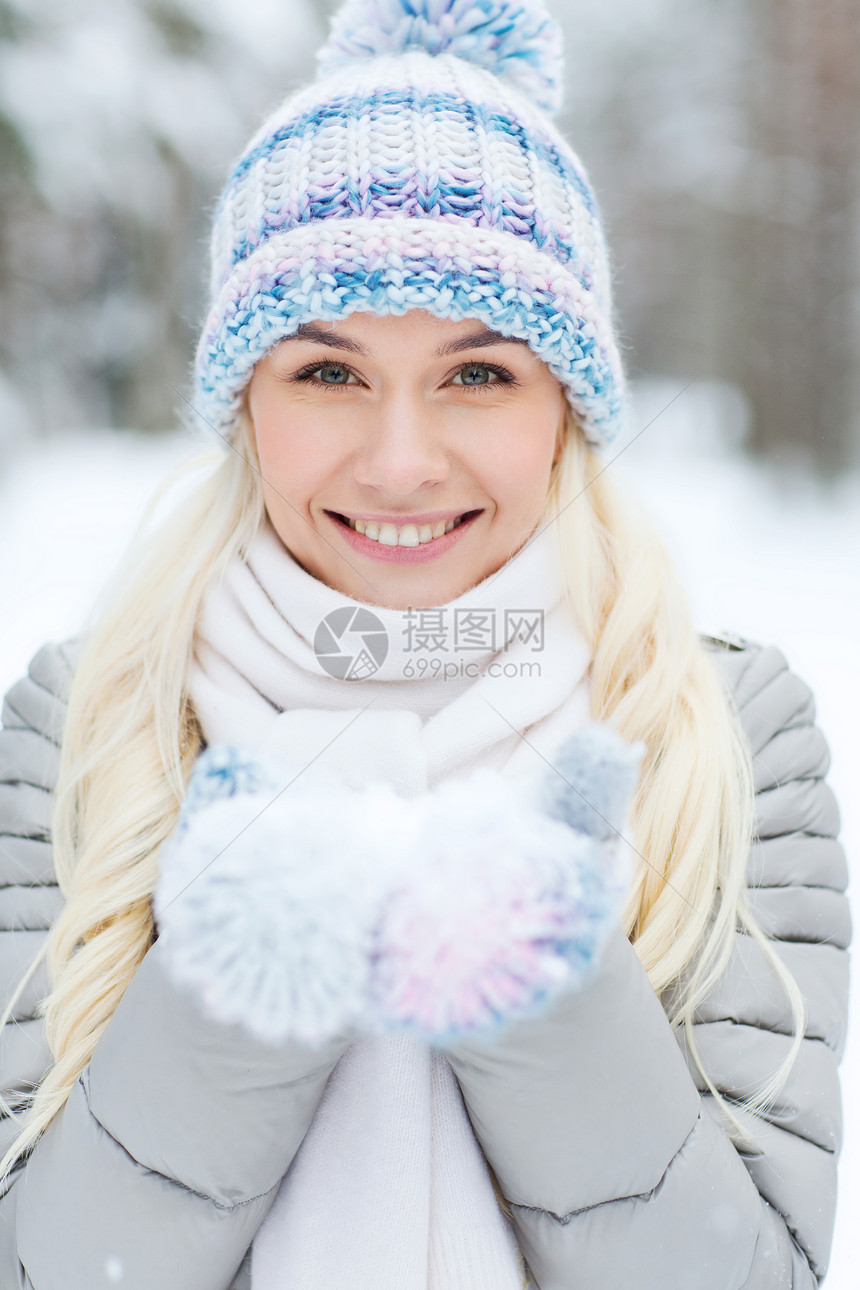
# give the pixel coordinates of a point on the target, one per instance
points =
(298, 911)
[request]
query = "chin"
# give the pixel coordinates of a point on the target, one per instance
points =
(409, 592)
(427, 595)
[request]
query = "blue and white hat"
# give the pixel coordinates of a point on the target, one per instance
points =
(419, 170)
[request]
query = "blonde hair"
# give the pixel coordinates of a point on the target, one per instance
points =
(130, 741)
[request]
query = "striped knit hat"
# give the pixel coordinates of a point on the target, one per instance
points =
(419, 170)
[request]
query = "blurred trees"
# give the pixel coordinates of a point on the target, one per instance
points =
(801, 363)
(724, 140)
(722, 137)
(118, 122)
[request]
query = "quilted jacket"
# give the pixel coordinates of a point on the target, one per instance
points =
(604, 1138)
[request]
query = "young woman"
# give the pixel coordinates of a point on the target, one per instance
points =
(353, 957)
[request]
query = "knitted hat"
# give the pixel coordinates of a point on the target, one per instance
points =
(420, 170)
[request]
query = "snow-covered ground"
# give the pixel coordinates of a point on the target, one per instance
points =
(777, 560)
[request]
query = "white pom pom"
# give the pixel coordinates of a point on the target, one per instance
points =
(500, 908)
(515, 39)
(268, 908)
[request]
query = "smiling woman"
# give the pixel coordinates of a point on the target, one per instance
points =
(429, 466)
(528, 968)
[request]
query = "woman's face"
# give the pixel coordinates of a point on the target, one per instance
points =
(403, 426)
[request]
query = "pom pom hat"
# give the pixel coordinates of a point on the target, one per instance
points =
(419, 171)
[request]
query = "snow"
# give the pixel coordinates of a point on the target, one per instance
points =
(771, 557)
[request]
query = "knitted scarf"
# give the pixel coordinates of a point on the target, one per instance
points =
(389, 1189)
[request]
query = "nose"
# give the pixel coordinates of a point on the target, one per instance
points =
(402, 447)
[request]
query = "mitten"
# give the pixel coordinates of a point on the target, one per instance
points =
(300, 910)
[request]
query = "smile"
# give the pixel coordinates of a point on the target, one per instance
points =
(408, 535)
(411, 543)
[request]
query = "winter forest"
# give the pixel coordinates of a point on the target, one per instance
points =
(723, 140)
(721, 136)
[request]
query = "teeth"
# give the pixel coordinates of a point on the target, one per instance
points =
(409, 535)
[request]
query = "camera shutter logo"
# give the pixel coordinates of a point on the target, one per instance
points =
(351, 643)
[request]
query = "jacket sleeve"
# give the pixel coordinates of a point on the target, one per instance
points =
(593, 1115)
(169, 1152)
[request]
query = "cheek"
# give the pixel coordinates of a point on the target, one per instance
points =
(292, 454)
(517, 469)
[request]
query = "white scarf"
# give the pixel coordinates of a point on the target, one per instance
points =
(389, 1189)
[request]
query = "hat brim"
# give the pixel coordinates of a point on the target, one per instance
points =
(453, 269)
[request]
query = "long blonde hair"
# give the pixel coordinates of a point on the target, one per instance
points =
(131, 738)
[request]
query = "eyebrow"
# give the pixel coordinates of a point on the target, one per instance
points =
(477, 340)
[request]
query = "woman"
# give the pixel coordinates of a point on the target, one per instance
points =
(352, 974)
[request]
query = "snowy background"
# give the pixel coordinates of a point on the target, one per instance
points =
(773, 558)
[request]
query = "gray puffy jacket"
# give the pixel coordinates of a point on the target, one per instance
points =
(169, 1152)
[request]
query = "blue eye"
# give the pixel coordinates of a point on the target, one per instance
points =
(330, 374)
(475, 374)
(333, 374)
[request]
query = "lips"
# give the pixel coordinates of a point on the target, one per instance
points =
(407, 533)
(411, 544)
